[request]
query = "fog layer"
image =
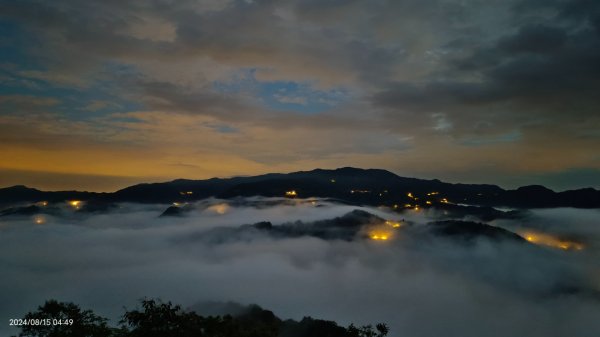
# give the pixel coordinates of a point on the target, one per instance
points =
(419, 285)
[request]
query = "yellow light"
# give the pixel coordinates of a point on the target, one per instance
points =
(433, 193)
(410, 195)
(291, 193)
(428, 202)
(379, 237)
(75, 203)
(551, 241)
(408, 205)
(380, 234)
(444, 201)
(39, 220)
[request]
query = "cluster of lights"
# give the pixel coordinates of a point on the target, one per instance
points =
(380, 236)
(416, 206)
(76, 204)
(291, 194)
(186, 193)
(384, 233)
(427, 202)
(410, 206)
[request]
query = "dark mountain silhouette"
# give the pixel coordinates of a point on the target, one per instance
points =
(350, 185)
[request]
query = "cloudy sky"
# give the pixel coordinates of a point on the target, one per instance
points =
(101, 94)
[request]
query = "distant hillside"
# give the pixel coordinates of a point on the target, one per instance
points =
(351, 185)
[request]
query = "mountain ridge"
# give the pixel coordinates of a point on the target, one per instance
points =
(354, 185)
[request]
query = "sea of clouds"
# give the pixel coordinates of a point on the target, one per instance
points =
(430, 287)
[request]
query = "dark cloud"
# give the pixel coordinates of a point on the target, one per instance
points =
(170, 97)
(534, 39)
(541, 71)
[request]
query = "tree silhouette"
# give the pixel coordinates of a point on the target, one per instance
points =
(164, 319)
(159, 319)
(56, 317)
(381, 330)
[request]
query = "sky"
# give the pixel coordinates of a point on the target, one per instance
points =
(98, 95)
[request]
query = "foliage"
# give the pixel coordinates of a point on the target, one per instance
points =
(164, 319)
(56, 316)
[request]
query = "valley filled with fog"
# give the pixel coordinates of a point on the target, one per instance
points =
(385, 267)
